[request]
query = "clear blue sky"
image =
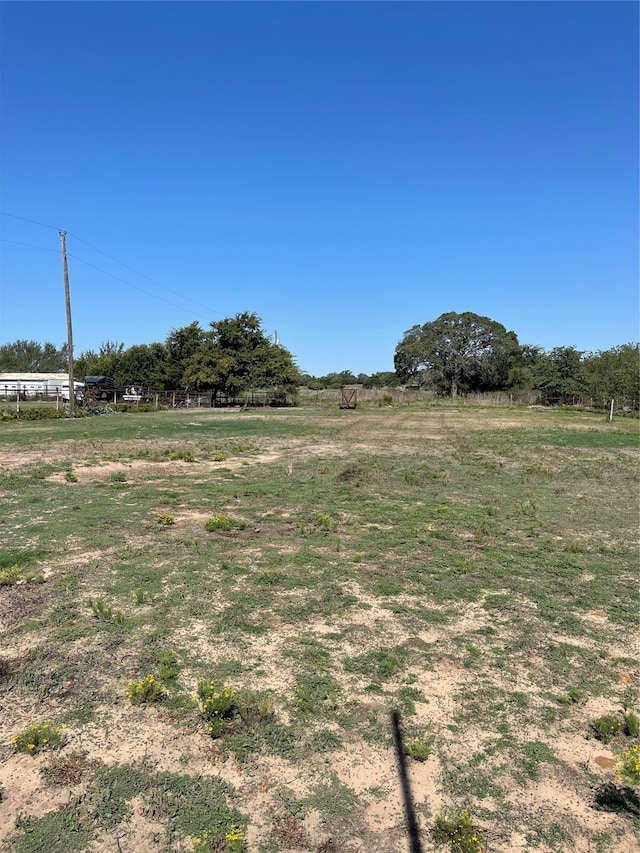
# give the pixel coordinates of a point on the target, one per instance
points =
(345, 170)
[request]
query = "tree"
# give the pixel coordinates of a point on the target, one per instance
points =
(180, 346)
(237, 356)
(106, 362)
(613, 374)
(457, 352)
(558, 375)
(31, 357)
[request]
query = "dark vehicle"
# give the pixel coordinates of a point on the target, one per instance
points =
(99, 387)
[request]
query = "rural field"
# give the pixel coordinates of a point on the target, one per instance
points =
(290, 579)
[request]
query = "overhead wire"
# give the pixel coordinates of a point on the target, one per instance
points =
(30, 245)
(130, 284)
(104, 272)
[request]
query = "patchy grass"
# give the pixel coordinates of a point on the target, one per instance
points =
(473, 569)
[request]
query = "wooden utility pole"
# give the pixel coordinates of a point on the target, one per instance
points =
(67, 302)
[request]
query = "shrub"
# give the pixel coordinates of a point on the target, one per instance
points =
(224, 523)
(218, 706)
(70, 477)
(606, 727)
(104, 612)
(165, 518)
(631, 724)
(39, 736)
(629, 766)
(9, 576)
(459, 832)
(144, 691)
(417, 749)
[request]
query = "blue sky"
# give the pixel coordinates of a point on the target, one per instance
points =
(345, 170)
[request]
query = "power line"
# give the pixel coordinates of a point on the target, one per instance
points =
(111, 258)
(130, 284)
(32, 221)
(141, 274)
(28, 245)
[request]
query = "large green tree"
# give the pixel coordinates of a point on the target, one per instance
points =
(238, 356)
(32, 357)
(457, 352)
(613, 374)
(558, 375)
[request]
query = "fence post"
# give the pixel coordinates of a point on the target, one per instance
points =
(611, 412)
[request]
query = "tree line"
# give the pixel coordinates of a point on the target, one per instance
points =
(454, 354)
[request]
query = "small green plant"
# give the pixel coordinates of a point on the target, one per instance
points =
(139, 596)
(219, 457)
(165, 518)
(325, 522)
(168, 668)
(606, 727)
(631, 724)
(33, 577)
(576, 695)
(458, 830)
(184, 455)
(145, 691)
(118, 477)
(105, 613)
(628, 767)
(70, 477)
(10, 576)
(218, 706)
(39, 736)
(223, 523)
(234, 841)
(417, 749)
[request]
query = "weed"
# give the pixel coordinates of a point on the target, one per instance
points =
(218, 706)
(118, 477)
(458, 830)
(417, 749)
(10, 576)
(168, 669)
(628, 767)
(165, 519)
(68, 827)
(70, 477)
(606, 727)
(105, 613)
(573, 696)
(39, 736)
(33, 577)
(223, 523)
(139, 596)
(184, 455)
(219, 457)
(326, 523)
(144, 691)
(631, 724)
(69, 769)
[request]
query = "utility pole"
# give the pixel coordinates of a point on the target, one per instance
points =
(67, 301)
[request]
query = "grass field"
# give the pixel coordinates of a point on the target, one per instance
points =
(473, 569)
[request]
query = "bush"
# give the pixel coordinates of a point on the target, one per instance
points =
(39, 736)
(629, 767)
(223, 523)
(606, 727)
(459, 832)
(144, 691)
(218, 706)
